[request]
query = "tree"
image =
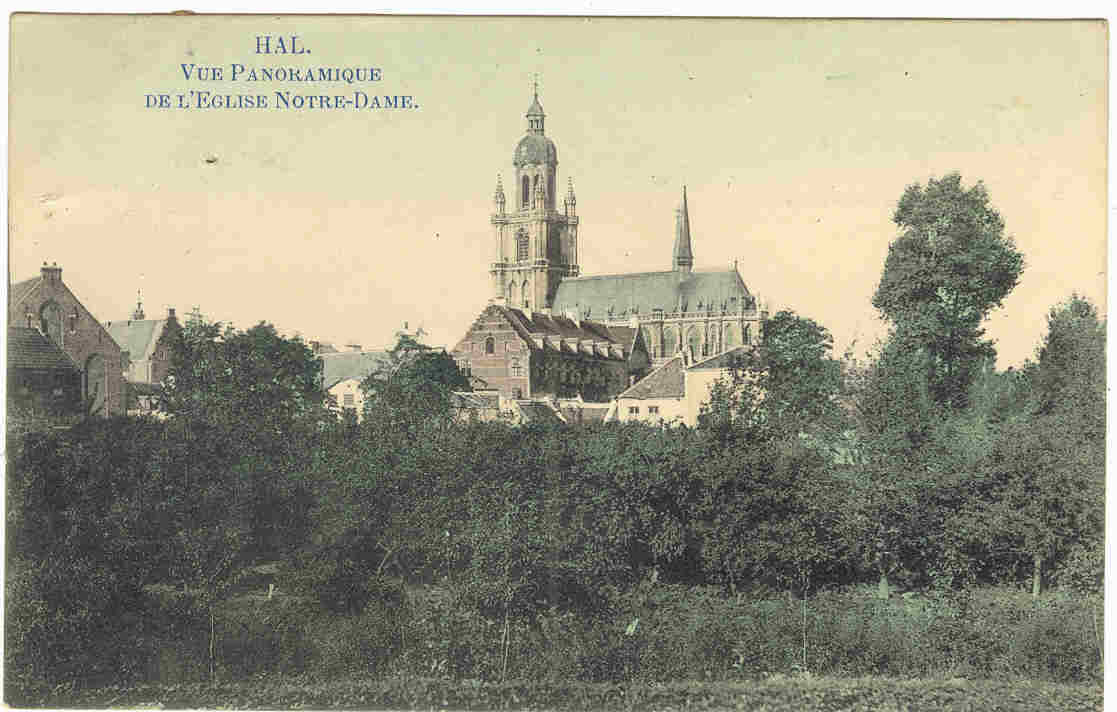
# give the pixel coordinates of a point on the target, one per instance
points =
(785, 388)
(413, 385)
(1043, 480)
(950, 266)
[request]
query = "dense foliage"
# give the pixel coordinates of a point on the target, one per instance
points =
(416, 545)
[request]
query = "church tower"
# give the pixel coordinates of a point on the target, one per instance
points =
(536, 245)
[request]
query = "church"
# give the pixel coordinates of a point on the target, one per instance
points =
(551, 332)
(697, 312)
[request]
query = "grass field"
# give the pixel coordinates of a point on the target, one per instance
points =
(774, 694)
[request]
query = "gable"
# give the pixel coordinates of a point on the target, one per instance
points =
(139, 338)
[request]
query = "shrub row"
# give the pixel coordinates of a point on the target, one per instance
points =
(652, 634)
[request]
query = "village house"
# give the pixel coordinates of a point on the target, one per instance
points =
(148, 349)
(46, 304)
(675, 392)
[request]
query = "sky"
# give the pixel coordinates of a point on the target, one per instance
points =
(795, 139)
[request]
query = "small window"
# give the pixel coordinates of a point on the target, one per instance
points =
(653, 410)
(490, 345)
(634, 410)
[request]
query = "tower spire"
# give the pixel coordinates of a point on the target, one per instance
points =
(138, 315)
(683, 258)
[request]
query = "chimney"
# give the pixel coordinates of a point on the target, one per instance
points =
(171, 314)
(53, 273)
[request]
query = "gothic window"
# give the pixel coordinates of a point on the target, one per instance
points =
(517, 369)
(511, 301)
(490, 345)
(521, 246)
(526, 293)
(96, 384)
(525, 192)
(50, 321)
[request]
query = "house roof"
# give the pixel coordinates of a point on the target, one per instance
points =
(722, 360)
(348, 365)
(667, 381)
(30, 349)
(138, 336)
(613, 295)
(537, 323)
(19, 291)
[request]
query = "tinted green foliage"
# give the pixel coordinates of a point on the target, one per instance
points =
(948, 268)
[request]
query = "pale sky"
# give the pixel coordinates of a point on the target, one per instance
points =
(795, 139)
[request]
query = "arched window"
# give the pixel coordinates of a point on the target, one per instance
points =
(96, 384)
(50, 321)
(521, 246)
(490, 346)
(527, 295)
(525, 192)
(513, 295)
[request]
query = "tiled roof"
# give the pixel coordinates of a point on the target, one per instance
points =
(350, 364)
(19, 290)
(539, 324)
(667, 381)
(643, 292)
(723, 360)
(137, 337)
(29, 349)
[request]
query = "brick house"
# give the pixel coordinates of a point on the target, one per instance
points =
(47, 304)
(533, 355)
(42, 380)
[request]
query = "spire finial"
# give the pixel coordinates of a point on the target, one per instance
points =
(683, 258)
(139, 313)
(535, 87)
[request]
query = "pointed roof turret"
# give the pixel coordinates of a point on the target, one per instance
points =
(683, 258)
(535, 148)
(535, 113)
(138, 314)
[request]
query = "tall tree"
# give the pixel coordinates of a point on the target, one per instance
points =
(787, 387)
(950, 266)
(1045, 475)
